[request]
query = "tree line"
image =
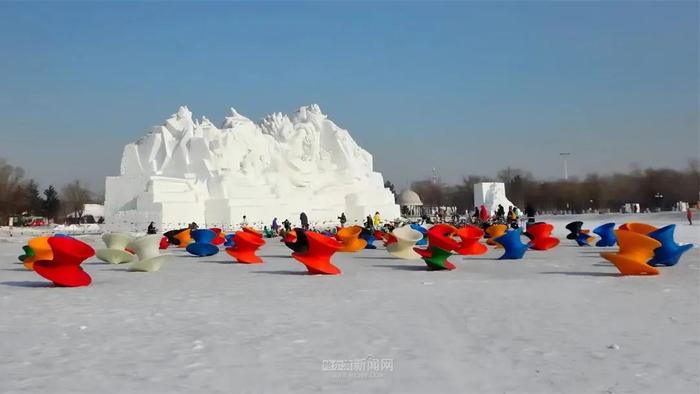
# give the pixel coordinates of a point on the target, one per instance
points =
(652, 188)
(21, 197)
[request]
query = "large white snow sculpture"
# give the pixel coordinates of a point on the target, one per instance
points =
(190, 170)
(490, 194)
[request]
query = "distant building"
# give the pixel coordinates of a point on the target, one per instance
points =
(410, 203)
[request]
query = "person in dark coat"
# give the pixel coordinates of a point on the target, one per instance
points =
(151, 229)
(342, 219)
(530, 213)
(304, 221)
(369, 223)
(500, 212)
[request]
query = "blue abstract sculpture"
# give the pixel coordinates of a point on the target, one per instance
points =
(583, 239)
(606, 234)
(670, 252)
(202, 245)
(515, 248)
(424, 231)
(370, 239)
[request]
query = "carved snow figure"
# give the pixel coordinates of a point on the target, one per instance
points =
(191, 171)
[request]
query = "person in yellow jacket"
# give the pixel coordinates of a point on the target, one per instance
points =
(377, 220)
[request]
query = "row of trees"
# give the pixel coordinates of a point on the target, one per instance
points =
(22, 197)
(652, 188)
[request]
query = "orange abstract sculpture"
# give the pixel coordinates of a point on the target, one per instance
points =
(541, 236)
(470, 245)
(635, 251)
(350, 237)
(317, 257)
(41, 251)
(184, 238)
(64, 268)
(641, 228)
(245, 244)
(495, 231)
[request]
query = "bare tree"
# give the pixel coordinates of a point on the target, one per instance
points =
(11, 190)
(75, 196)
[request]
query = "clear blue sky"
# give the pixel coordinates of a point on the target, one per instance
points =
(468, 88)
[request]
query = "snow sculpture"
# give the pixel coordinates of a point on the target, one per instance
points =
(189, 170)
(490, 194)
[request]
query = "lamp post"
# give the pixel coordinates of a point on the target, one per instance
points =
(565, 156)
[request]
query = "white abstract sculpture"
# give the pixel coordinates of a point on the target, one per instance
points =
(490, 194)
(406, 239)
(187, 171)
(115, 253)
(149, 257)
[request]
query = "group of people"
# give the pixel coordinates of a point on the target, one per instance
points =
(500, 216)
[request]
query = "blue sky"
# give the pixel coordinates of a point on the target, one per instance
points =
(465, 87)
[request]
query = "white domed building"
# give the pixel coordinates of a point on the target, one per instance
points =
(410, 203)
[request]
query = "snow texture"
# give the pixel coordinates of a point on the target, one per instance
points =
(559, 321)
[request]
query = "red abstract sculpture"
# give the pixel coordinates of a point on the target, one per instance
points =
(253, 231)
(317, 258)
(541, 236)
(245, 244)
(440, 245)
(220, 238)
(64, 269)
(389, 239)
(470, 245)
(163, 243)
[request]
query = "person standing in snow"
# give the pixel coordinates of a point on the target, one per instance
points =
(287, 225)
(689, 215)
(377, 220)
(151, 229)
(304, 221)
(500, 212)
(483, 214)
(275, 226)
(369, 223)
(342, 219)
(244, 223)
(530, 213)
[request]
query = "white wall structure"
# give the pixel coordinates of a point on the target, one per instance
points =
(490, 194)
(189, 170)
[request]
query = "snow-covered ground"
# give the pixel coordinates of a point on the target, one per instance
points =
(560, 321)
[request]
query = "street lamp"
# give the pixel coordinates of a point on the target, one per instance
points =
(564, 156)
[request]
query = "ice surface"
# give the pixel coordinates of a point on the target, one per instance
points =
(559, 321)
(190, 170)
